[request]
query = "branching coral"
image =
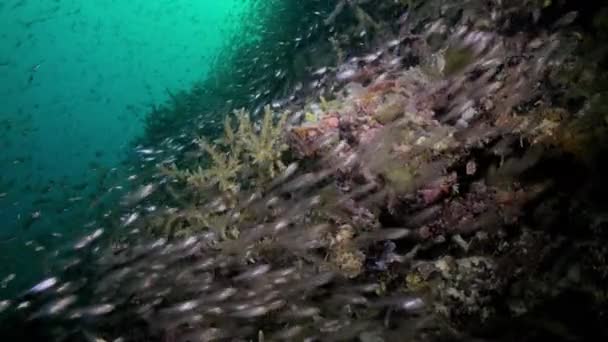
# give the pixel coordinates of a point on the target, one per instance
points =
(227, 172)
(265, 147)
(195, 178)
(261, 148)
(225, 167)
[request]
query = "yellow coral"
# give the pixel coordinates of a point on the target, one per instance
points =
(349, 261)
(264, 148)
(415, 282)
(224, 169)
(344, 254)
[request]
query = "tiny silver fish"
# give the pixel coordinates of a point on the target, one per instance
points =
(44, 285)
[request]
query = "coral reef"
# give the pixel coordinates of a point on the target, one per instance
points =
(438, 187)
(263, 148)
(426, 175)
(457, 165)
(244, 158)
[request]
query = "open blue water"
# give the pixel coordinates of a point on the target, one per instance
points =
(77, 79)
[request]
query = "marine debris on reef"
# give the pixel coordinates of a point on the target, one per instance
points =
(437, 187)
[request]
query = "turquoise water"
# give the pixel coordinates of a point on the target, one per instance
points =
(83, 83)
(77, 80)
(79, 76)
